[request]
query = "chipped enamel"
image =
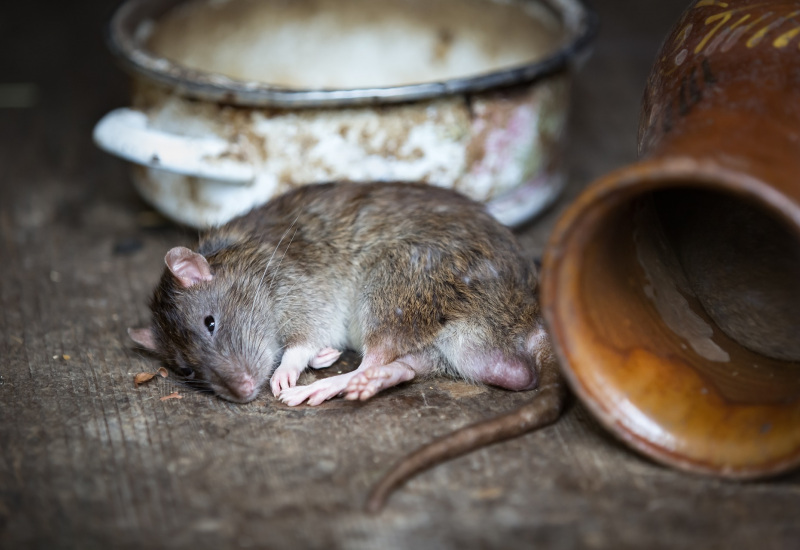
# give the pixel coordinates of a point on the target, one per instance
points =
(202, 163)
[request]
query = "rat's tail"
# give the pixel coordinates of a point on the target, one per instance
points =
(545, 409)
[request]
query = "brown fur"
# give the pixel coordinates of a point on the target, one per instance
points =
(394, 270)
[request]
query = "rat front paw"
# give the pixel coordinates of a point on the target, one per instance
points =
(325, 358)
(283, 379)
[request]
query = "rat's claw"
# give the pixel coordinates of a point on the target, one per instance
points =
(282, 379)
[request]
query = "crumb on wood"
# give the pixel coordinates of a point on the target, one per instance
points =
(173, 395)
(163, 372)
(142, 377)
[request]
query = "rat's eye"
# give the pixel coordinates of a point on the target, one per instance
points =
(187, 372)
(210, 324)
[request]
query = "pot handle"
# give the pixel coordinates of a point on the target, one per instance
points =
(125, 133)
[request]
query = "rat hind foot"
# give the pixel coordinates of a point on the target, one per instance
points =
(370, 381)
(316, 392)
(366, 384)
(371, 377)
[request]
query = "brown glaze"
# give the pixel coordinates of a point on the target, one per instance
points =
(672, 286)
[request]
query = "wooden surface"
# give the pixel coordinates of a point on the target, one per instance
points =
(89, 461)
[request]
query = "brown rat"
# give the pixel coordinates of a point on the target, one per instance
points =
(421, 280)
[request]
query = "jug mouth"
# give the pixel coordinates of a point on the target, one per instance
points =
(637, 332)
(125, 40)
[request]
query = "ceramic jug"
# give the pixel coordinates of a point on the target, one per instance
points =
(672, 286)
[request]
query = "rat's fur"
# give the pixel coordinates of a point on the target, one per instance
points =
(420, 280)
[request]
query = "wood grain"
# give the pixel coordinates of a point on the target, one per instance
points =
(89, 461)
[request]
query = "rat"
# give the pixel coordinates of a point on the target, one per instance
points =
(421, 280)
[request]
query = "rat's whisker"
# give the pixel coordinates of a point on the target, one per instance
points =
(269, 262)
(286, 295)
(275, 273)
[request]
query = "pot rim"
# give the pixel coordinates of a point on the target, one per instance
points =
(578, 19)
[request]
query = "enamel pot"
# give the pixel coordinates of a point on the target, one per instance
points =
(237, 101)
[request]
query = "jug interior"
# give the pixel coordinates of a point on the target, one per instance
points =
(706, 277)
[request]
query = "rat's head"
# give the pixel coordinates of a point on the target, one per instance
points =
(206, 328)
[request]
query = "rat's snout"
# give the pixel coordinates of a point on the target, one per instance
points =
(241, 387)
(243, 390)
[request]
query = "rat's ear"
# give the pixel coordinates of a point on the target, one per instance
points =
(144, 337)
(188, 267)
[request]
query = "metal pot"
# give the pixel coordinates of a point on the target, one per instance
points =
(236, 101)
(672, 286)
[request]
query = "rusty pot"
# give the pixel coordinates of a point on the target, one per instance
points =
(672, 286)
(235, 101)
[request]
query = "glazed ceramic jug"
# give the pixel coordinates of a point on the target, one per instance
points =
(672, 286)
